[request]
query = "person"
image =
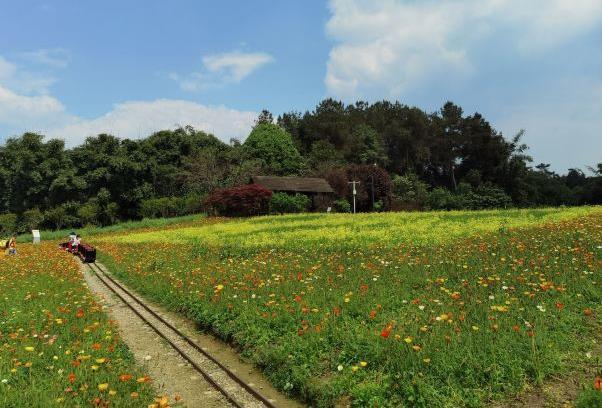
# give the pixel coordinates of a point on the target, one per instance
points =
(76, 242)
(72, 236)
(12, 245)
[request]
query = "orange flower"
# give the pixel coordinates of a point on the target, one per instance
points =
(336, 311)
(96, 346)
(559, 306)
(134, 394)
(372, 314)
(598, 384)
(125, 377)
(587, 312)
(71, 378)
(80, 313)
(516, 328)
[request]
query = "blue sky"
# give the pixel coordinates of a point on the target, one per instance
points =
(72, 69)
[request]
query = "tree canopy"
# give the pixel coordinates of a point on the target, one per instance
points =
(444, 159)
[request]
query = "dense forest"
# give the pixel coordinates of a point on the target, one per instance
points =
(404, 158)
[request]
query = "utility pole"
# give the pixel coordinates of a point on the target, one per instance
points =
(353, 183)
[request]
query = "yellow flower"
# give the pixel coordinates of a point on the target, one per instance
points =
(354, 368)
(101, 360)
(363, 363)
(103, 387)
(112, 392)
(219, 287)
(29, 348)
(416, 348)
(475, 328)
(408, 339)
(426, 360)
(94, 367)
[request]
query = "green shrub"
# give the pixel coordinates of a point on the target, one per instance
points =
(31, 219)
(409, 189)
(341, 206)
(282, 203)
(63, 216)
(163, 207)
(441, 199)
(8, 223)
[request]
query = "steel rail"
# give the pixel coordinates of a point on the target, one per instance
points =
(98, 271)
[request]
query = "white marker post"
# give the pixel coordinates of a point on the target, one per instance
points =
(36, 236)
(353, 183)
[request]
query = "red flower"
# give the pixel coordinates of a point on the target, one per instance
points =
(80, 313)
(598, 384)
(559, 306)
(386, 331)
(372, 314)
(71, 378)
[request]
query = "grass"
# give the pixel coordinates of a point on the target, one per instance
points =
(426, 309)
(52, 235)
(57, 346)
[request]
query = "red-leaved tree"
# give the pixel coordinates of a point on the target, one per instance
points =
(240, 201)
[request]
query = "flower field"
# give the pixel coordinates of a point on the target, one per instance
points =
(57, 346)
(427, 309)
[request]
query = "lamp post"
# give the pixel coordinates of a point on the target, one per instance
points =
(353, 183)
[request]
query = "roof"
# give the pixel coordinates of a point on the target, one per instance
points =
(293, 184)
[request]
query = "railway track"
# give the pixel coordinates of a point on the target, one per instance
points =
(235, 390)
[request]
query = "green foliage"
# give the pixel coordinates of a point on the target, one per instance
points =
(109, 178)
(283, 203)
(62, 216)
(8, 223)
(163, 207)
(409, 189)
(274, 147)
(341, 206)
(589, 398)
(31, 219)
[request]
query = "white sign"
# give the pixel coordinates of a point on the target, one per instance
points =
(36, 236)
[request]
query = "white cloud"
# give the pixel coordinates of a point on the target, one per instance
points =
(136, 119)
(221, 69)
(23, 81)
(16, 109)
(43, 113)
(385, 47)
(52, 57)
(18, 105)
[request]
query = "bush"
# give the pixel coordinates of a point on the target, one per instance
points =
(282, 203)
(8, 224)
(63, 216)
(341, 206)
(31, 219)
(441, 199)
(410, 190)
(163, 207)
(240, 201)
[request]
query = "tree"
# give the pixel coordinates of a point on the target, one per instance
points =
(274, 147)
(264, 118)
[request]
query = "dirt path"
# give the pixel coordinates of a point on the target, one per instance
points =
(171, 374)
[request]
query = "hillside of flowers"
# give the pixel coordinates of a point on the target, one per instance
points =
(57, 346)
(429, 310)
